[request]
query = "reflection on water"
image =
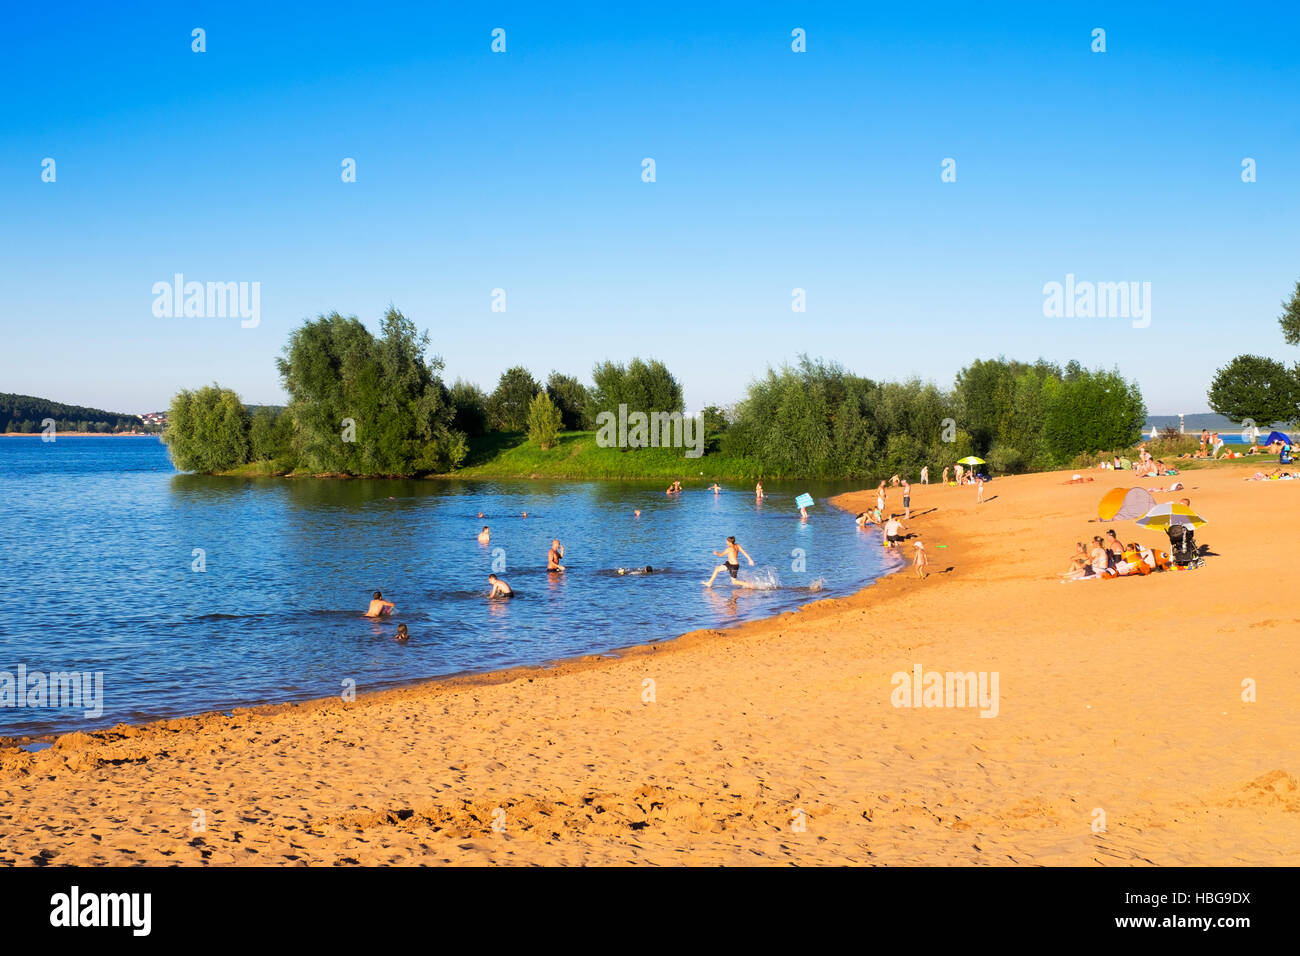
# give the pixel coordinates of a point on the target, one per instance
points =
(195, 593)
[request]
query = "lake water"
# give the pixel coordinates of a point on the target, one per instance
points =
(98, 539)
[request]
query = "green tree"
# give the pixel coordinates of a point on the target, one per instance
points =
(509, 404)
(207, 430)
(1255, 387)
(1093, 411)
(544, 421)
(570, 396)
(471, 408)
(269, 438)
(365, 406)
(1290, 318)
(641, 386)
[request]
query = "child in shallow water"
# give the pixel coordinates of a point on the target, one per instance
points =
(402, 633)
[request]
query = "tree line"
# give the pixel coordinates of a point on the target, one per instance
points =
(26, 414)
(366, 404)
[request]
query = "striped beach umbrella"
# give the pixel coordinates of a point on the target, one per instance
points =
(1169, 514)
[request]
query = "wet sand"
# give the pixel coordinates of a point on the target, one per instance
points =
(777, 742)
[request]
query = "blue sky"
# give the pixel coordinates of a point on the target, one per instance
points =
(522, 171)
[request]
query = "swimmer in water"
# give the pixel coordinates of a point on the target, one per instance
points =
(402, 633)
(646, 570)
(379, 607)
(758, 492)
(637, 512)
(715, 487)
(484, 536)
(499, 587)
(731, 563)
(555, 556)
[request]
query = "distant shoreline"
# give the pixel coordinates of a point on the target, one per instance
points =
(59, 434)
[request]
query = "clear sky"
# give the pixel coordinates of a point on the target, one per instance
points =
(522, 170)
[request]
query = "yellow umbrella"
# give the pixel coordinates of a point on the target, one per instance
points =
(1168, 514)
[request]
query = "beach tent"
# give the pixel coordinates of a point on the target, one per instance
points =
(1277, 436)
(1124, 504)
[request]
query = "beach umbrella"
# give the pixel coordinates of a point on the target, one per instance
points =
(1168, 514)
(970, 460)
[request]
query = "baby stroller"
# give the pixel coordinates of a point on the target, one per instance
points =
(1182, 546)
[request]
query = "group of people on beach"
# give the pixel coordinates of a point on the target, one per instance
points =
(1111, 558)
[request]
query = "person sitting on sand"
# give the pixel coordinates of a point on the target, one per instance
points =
(379, 607)
(1079, 566)
(919, 560)
(402, 633)
(1100, 558)
(731, 563)
(555, 556)
(484, 536)
(499, 587)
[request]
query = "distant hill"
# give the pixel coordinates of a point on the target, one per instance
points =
(25, 413)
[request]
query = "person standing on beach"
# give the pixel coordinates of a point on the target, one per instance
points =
(379, 607)
(731, 563)
(554, 557)
(907, 501)
(925, 474)
(957, 472)
(919, 560)
(979, 489)
(945, 475)
(880, 498)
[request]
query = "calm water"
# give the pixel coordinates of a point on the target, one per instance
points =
(97, 538)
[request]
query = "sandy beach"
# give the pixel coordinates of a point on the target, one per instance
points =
(776, 742)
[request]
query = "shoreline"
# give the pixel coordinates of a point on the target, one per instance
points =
(1120, 700)
(59, 434)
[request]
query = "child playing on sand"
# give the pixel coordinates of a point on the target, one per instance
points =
(979, 489)
(379, 607)
(731, 563)
(919, 560)
(945, 476)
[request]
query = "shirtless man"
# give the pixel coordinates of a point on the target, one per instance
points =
(484, 536)
(555, 556)
(499, 587)
(894, 533)
(907, 501)
(731, 563)
(379, 607)
(715, 487)
(758, 492)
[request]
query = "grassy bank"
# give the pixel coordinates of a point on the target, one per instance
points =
(578, 456)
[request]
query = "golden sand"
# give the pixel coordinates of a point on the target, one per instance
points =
(777, 741)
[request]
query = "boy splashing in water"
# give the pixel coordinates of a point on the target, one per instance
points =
(731, 563)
